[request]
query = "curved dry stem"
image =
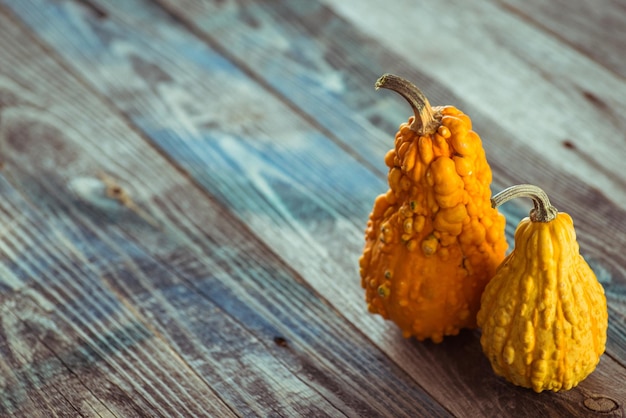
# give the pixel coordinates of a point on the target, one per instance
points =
(543, 210)
(425, 122)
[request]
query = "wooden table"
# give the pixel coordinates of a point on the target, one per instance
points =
(186, 183)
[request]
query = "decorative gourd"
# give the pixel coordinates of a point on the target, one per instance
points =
(544, 315)
(433, 240)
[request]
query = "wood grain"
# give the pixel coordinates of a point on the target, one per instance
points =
(198, 283)
(510, 153)
(34, 381)
(95, 339)
(311, 221)
(598, 31)
(275, 157)
(514, 86)
(511, 161)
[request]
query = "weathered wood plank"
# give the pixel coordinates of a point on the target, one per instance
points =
(456, 380)
(32, 375)
(510, 159)
(543, 92)
(598, 30)
(101, 342)
(362, 60)
(296, 362)
(566, 158)
(138, 281)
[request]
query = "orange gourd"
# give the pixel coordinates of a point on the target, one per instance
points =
(432, 241)
(544, 315)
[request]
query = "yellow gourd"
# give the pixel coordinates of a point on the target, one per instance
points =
(544, 315)
(433, 240)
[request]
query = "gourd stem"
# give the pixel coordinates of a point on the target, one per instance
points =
(543, 210)
(425, 122)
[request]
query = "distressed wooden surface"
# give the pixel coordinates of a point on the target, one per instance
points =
(185, 186)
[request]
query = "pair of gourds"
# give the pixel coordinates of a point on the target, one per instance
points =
(434, 257)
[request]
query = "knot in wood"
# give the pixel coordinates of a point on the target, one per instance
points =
(281, 342)
(600, 404)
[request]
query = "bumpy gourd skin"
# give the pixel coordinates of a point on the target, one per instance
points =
(433, 241)
(544, 315)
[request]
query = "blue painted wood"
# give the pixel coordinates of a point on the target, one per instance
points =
(201, 293)
(78, 328)
(301, 192)
(295, 42)
(362, 60)
(28, 368)
(201, 303)
(219, 156)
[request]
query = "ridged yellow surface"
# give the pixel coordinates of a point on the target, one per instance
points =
(544, 315)
(433, 241)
